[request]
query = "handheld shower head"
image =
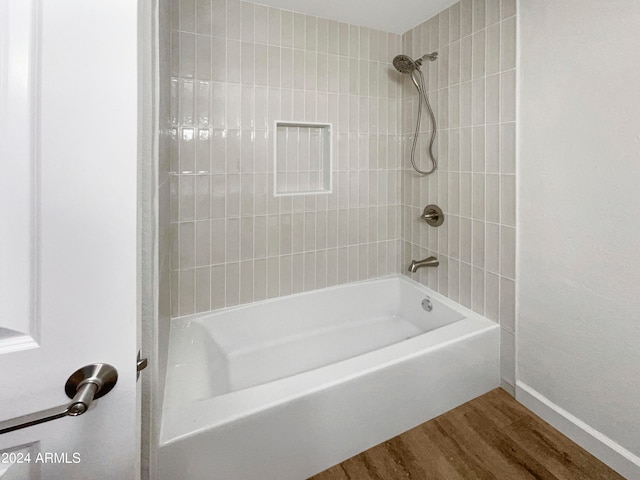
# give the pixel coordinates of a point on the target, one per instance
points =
(404, 64)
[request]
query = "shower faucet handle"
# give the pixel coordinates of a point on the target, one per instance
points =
(433, 215)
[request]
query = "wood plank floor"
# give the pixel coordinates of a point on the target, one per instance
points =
(490, 437)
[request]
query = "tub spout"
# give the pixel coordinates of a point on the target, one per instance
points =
(427, 262)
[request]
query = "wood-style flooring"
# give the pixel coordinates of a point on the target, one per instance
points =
(490, 437)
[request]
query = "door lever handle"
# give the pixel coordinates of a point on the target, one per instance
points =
(83, 386)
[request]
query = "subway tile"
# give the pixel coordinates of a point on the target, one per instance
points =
(492, 105)
(492, 8)
(218, 289)
(297, 273)
(478, 100)
(260, 237)
(274, 26)
(299, 31)
(247, 63)
(466, 17)
(466, 104)
(333, 37)
(186, 102)
(323, 35)
(187, 292)
(443, 67)
(218, 241)
(478, 244)
(274, 279)
(478, 196)
(202, 197)
(233, 107)
(508, 200)
(234, 61)
(309, 277)
(508, 148)
(443, 20)
(466, 194)
(492, 196)
(218, 18)
(286, 275)
(232, 284)
(203, 58)
(202, 105)
(453, 290)
(507, 304)
(261, 65)
(454, 22)
(492, 149)
(466, 148)
(507, 252)
(493, 49)
(465, 240)
(508, 96)
(232, 240)
(507, 8)
(219, 60)
(187, 245)
(234, 18)
(187, 9)
(247, 22)
(478, 290)
(479, 15)
(508, 44)
(492, 297)
(203, 289)
(259, 280)
(443, 276)
(273, 235)
(186, 199)
(218, 147)
(465, 284)
(492, 248)
(247, 237)
(287, 28)
(202, 243)
(478, 149)
(261, 25)
(246, 282)
(454, 109)
(174, 15)
(479, 51)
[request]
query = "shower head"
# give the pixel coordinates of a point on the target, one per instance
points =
(405, 64)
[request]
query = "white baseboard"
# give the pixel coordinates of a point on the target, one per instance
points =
(599, 445)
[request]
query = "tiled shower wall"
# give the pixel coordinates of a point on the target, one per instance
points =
(236, 69)
(472, 90)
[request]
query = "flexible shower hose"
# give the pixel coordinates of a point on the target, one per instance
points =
(422, 94)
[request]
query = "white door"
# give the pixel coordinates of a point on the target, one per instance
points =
(68, 166)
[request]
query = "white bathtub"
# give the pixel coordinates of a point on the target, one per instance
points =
(285, 388)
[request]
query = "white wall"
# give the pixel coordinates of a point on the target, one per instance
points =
(578, 209)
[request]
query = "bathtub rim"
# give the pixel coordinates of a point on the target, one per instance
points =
(198, 416)
(399, 276)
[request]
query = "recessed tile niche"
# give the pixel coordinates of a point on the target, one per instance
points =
(302, 156)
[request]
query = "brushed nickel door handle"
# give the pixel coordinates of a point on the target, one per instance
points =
(141, 364)
(83, 386)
